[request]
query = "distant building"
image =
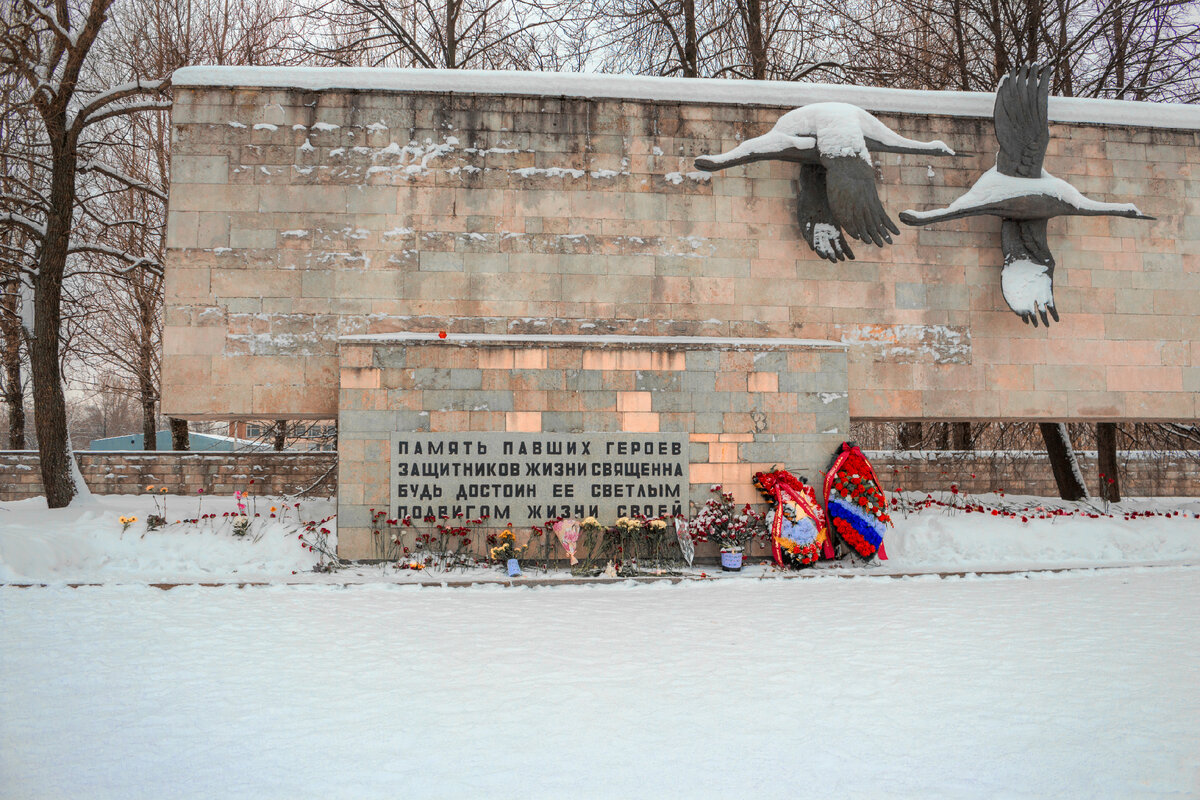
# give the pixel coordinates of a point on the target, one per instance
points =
(197, 442)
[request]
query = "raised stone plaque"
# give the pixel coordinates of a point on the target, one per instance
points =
(528, 478)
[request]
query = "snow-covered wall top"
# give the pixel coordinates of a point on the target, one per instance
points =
(695, 90)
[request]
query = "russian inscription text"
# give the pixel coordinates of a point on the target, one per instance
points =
(528, 478)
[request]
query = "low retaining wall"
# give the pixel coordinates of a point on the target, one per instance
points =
(115, 472)
(1142, 474)
(129, 472)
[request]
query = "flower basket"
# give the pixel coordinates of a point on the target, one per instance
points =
(731, 561)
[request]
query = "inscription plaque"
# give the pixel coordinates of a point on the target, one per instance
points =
(528, 478)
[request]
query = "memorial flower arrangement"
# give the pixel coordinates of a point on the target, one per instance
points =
(720, 522)
(506, 547)
(856, 507)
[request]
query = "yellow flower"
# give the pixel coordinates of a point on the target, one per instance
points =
(162, 490)
(133, 519)
(123, 520)
(150, 488)
(272, 508)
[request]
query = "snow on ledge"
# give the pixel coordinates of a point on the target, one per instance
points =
(696, 90)
(592, 340)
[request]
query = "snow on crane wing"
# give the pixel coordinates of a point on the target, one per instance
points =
(818, 225)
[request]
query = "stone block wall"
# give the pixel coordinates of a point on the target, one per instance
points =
(746, 404)
(297, 216)
(129, 472)
(1142, 474)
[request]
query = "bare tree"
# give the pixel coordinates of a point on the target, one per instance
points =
(660, 37)
(784, 40)
(445, 34)
(1131, 49)
(46, 49)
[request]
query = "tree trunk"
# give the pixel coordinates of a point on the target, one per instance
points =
(691, 49)
(179, 434)
(754, 40)
(1106, 458)
(14, 395)
(146, 390)
(49, 405)
(910, 435)
(960, 50)
(149, 429)
(960, 436)
(280, 433)
(451, 32)
(1062, 460)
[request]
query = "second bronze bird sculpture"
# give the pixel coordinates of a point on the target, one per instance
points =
(1019, 191)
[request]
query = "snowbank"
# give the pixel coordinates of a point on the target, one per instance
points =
(87, 545)
(945, 539)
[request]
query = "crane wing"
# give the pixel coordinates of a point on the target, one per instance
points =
(854, 200)
(1021, 121)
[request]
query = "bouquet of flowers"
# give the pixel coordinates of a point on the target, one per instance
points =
(567, 531)
(506, 547)
(720, 522)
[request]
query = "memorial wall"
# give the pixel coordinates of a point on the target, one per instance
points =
(317, 217)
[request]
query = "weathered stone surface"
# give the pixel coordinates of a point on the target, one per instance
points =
(742, 430)
(470, 213)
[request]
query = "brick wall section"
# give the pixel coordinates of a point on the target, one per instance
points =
(1171, 475)
(298, 216)
(745, 407)
(128, 473)
(112, 472)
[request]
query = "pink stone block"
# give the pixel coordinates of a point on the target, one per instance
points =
(763, 382)
(633, 401)
(523, 421)
(496, 358)
(529, 359)
(352, 356)
(639, 422)
(1144, 379)
(723, 452)
(705, 473)
(360, 378)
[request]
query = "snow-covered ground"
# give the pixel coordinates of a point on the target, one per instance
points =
(1051, 685)
(87, 543)
(1071, 684)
